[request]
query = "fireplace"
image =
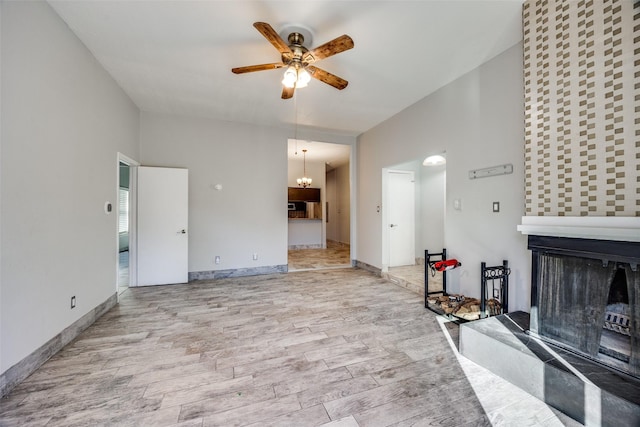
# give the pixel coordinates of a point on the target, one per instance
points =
(577, 349)
(585, 297)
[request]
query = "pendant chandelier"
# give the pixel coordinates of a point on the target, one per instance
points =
(304, 182)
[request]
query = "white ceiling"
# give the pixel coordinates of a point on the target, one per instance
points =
(175, 56)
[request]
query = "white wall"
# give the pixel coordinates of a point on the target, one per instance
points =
(2, 368)
(332, 201)
(338, 196)
(343, 204)
(432, 209)
(63, 121)
(305, 233)
(478, 121)
(249, 214)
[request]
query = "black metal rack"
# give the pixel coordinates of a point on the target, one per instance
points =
(429, 259)
(499, 278)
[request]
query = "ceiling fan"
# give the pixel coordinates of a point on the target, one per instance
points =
(298, 60)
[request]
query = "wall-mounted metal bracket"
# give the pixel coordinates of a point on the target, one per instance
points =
(492, 171)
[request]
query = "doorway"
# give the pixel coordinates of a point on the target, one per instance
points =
(429, 219)
(126, 229)
(323, 239)
(123, 227)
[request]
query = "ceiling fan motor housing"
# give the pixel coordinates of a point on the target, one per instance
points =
(296, 39)
(297, 49)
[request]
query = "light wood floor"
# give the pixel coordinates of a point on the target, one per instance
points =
(123, 271)
(337, 347)
(335, 255)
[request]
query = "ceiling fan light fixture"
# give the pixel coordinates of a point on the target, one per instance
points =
(435, 160)
(296, 76)
(303, 78)
(290, 77)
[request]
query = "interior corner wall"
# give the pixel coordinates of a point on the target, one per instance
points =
(478, 121)
(249, 214)
(582, 90)
(343, 180)
(64, 120)
(2, 369)
(332, 206)
(338, 199)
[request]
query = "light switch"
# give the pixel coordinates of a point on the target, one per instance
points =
(457, 204)
(496, 206)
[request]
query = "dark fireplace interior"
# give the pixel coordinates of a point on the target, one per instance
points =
(616, 337)
(586, 298)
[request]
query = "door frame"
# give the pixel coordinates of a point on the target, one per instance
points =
(386, 238)
(133, 215)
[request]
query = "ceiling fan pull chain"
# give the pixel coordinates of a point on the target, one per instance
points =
(295, 132)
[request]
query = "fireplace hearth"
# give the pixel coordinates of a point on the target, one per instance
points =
(585, 297)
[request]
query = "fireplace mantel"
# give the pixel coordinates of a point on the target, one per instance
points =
(584, 227)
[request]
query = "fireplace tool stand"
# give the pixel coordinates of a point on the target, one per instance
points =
(429, 260)
(497, 279)
(434, 263)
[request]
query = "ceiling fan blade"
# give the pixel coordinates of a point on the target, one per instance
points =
(335, 46)
(326, 77)
(274, 38)
(260, 67)
(287, 92)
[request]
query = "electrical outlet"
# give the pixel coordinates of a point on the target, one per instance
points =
(217, 260)
(255, 256)
(73, 301)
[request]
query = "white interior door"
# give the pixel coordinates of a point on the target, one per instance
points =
(401, 206)
(163, 212)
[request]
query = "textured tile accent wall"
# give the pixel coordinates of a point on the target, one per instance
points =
(582, 107)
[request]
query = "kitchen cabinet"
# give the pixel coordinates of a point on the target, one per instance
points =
(304, 203)
(304, 194)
